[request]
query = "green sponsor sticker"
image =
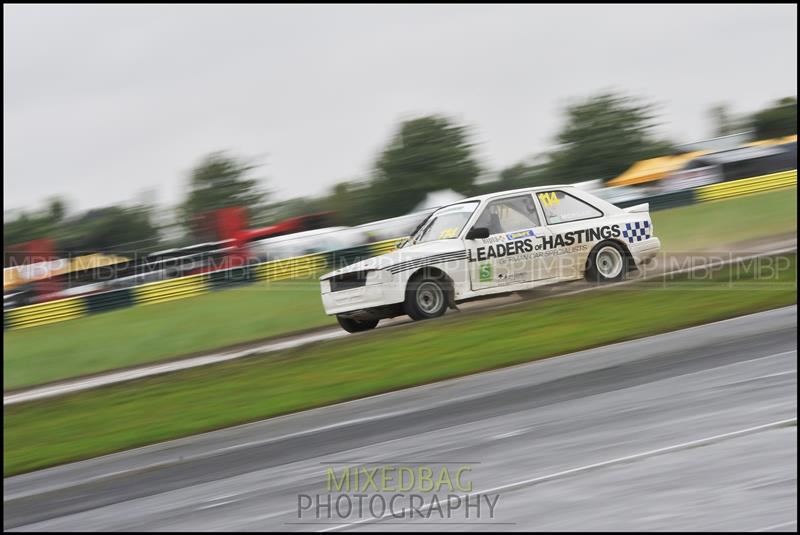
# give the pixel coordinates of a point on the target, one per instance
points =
(485, 272)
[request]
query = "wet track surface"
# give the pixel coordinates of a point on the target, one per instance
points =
(694, 429)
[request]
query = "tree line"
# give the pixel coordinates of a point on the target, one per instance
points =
(601, 136)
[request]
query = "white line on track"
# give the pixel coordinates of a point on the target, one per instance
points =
(572, 471)
(213, 505)
(777, 526)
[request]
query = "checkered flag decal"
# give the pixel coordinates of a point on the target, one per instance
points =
(638, 231)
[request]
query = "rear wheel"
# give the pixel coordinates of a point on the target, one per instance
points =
(352, 325)
(426, 298)
(607, 263)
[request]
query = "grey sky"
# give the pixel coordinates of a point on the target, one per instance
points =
(104, 102)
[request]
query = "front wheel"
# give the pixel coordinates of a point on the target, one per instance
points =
(607, 263)
(426, 298)
(352, 325)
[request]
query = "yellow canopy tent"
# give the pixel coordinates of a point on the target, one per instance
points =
(775, 141)
(14, 276)
(653, 169)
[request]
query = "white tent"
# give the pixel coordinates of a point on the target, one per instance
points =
(435, 199)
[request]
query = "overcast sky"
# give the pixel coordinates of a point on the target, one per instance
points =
(103, 103)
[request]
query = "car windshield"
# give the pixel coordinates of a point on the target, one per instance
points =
(446, 223)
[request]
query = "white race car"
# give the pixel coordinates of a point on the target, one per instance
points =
(510, 241)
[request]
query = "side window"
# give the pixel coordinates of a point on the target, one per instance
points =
(560, 207)
(507, 215)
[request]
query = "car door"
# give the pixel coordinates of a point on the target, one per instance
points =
(507, 256)
(575, 227)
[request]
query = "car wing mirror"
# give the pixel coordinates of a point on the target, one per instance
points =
(478, 233)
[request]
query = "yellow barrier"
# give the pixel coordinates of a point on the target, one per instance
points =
(386, 246)
(291, 268)
(168, 290)
(746, 186)
(158, 292)
(44, 313)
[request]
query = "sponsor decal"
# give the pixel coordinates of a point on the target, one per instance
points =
(448, 233)
(502, 249)
(520, 234)
(485, 274)
(497, 238)
(637, 231)
(580, 236)
(527, 245)
(508, 278)
(549, 198)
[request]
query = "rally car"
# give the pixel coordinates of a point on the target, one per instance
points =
(510, 241)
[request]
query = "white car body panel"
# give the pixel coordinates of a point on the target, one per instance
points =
(505, 262)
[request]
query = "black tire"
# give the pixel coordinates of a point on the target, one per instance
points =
(356, 326)
(612, 264)
(426, 297)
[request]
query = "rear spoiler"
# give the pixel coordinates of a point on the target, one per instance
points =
(644, 207)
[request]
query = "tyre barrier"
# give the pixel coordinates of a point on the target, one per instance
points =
(44, 313)
(302, 267)
(747, 186)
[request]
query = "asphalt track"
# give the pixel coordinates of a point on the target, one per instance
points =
(694, 429)
(673, 263)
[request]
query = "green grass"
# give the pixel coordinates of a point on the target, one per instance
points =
(95, 422)
(708, 226)
(143, 335)
(140, 335)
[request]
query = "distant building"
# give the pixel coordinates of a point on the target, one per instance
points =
(718, 143)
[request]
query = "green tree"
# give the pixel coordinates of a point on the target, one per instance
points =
(220, 181)
(726, 123)
(28, 226)
(524, 175)
(603, 135)
(57, 209)
(426, 154)
(112, 229)
(777, 120)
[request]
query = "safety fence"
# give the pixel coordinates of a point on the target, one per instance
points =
(309, 265)
(746, 186)
(302, 267)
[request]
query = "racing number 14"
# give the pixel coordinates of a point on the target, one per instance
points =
(548, 198)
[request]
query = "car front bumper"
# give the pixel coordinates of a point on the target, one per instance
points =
(372, 295)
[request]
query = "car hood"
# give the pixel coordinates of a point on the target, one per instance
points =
(409, 252)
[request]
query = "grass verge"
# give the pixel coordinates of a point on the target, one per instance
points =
(710, 226)
(95, 422)
(144, 335)
(141, 335)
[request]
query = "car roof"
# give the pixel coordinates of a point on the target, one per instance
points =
(512, 191)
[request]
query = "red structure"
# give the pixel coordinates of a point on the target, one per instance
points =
(230, 224)
(227, 246)
(32, 266)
